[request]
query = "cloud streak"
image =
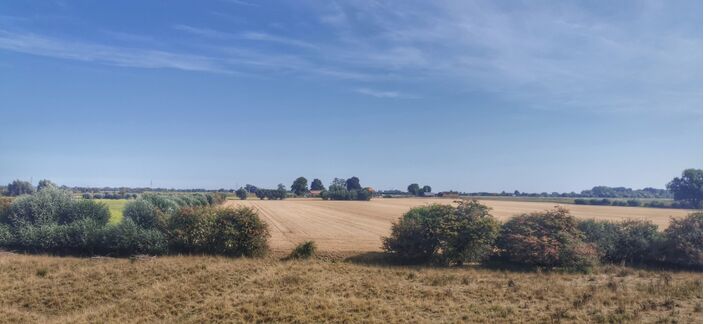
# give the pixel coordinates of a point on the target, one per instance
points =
(537, 55)
(118, 56)
(385, 94)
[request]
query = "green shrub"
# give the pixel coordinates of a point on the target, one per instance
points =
(144, 214)
(443, 234)
(82, 237)
(128, 238)
(633, 202)
(304, 250)
(5, 203)
(239, 232)
(164, 203)
(683, 241)
(631, 241)
(86, 209)
(38, 238)
(604, 235)
(638, 242)
(44, 207)
(191, 230)
(547, 239)
(7, 239)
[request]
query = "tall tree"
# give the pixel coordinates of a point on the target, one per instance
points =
(300, 186)
(44, 183)
(414, 189)
(353, 184)
(688, 188)
(19, 187)
(338, 184)
(317, 185)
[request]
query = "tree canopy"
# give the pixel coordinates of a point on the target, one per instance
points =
(353, 184)
(688, 188)
(317, 185)
(19, 187)
(414, 189)
(300, 186)
(44, 183)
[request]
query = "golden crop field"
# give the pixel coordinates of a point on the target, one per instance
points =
(359, 225)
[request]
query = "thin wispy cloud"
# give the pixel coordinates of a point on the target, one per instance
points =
(242, 3)
(128, 57)
(258, 36)
(248, 35)
(385, 94)
(537, 55)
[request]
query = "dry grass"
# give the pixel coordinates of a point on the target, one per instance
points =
(359, 225)
(210, 289)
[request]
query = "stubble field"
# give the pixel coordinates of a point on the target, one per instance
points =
(346, 226)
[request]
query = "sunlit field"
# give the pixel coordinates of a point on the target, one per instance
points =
(115, 206)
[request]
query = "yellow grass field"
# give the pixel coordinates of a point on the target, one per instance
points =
(359, 225)
(192, 289)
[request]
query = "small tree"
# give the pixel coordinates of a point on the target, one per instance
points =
(18, 187)
(300, 186)
(241, 193)
(353, 184)
(688, 188)
(414, 189)
(427, 188)
(317, 185)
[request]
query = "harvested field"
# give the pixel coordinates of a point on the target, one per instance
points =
(39, 289)
(359, 225)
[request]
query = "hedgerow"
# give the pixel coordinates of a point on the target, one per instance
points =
(51, 221)
(344, 194)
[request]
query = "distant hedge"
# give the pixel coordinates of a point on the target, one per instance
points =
(343, 194)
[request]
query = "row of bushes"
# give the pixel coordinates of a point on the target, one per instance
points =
(271, 194)
(631, 203)
(50, 221)
(109, 195)
(358, 194)
(608, 202)
(468, 233)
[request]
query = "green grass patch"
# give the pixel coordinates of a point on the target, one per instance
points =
(115, 206)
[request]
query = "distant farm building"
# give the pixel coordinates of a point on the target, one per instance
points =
(314, 193)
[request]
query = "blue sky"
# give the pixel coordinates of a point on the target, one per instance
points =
(465, 95)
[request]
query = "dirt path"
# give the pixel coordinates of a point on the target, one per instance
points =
(359, 226)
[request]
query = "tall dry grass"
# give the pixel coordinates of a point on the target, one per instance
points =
(212, 289)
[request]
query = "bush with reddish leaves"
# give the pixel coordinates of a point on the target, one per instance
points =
(546, 239)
